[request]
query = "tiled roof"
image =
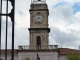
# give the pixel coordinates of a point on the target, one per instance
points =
(9, 51)
(61, 51)
(67, 50)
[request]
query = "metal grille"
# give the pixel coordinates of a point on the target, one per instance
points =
(11, 15)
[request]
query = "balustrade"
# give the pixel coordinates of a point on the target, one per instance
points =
(39, 47)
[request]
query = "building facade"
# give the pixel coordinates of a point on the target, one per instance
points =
(39, 34)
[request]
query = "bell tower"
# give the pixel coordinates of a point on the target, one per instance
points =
(39, 31)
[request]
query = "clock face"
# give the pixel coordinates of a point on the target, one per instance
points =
(38, 17)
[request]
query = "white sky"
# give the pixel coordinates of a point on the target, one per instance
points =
(64, 22)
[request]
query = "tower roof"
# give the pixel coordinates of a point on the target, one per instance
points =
(38, 1)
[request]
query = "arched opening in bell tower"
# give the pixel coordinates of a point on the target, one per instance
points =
(38, 42)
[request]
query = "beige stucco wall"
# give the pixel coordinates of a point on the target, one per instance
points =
(42, 55)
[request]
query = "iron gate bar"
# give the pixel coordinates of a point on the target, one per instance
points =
(0, 25)
(4, 14)
(13, 30)
(11, 15)
(6, 30)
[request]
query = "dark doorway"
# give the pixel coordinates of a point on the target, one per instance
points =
(38, 42)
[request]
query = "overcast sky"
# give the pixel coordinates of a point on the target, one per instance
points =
(64, 22)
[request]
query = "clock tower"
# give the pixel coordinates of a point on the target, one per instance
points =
(39, 31)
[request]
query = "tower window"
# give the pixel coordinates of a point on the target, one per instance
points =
(38, 42)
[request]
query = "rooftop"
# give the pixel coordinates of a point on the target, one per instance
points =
(62, 51)
(67, 50)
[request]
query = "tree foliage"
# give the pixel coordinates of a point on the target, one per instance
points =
(27, 58)
(73, 56)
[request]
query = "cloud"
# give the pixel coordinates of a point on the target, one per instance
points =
(21, 13)
(62, 17)
(63, 38)
(64, 25)
(70, 1)
(3, 33)
(22, 5)
(62, 12)
(21, 36)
